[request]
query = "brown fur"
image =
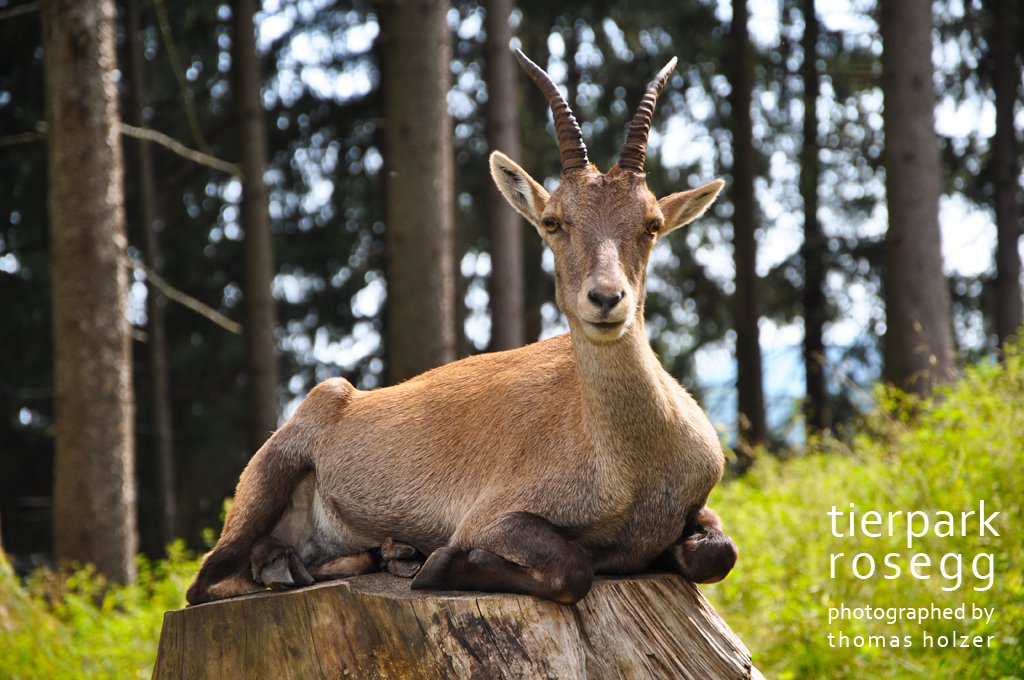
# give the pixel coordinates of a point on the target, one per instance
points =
(526, 471)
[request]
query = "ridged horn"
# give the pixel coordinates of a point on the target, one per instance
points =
(634, 150)
(570, 139)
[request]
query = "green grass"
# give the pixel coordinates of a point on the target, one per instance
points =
(963, 445)
(76, 627)
(946, 453)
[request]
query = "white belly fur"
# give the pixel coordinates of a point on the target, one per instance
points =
(310, 528)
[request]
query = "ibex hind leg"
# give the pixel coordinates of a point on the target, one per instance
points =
(520, 553)
(704, 553)
(225, 573)
(266, 492)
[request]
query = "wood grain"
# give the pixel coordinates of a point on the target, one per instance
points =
(653, 626)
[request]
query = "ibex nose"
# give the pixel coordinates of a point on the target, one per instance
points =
(605, 302)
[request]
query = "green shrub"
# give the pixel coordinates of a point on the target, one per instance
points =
(76, 627)
(946, 453)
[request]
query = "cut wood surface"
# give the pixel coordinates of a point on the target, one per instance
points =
(649, 626)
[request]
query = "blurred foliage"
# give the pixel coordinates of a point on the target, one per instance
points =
(58, 627)
(945, 453)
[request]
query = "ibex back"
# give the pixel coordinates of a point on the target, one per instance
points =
(525, 471)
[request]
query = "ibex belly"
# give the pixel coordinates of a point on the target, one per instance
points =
(310, 527)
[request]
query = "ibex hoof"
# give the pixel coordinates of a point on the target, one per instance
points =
(276, 575)
(706, 557)
(404, 568)
(396, 551)
(277, 566)
(433, 575)
(401, 559)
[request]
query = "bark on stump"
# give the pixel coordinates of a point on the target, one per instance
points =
(649, 626)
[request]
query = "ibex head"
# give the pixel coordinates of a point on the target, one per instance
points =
(600, 227)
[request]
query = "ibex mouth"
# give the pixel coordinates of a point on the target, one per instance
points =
(604, 331)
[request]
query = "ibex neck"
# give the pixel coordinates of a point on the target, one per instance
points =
(627, 406)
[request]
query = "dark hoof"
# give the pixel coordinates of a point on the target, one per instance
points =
(276, 575)
(401, 559)
(404, 568)
(396, 551)
(277, 565)
(433, 575)
(706, 557)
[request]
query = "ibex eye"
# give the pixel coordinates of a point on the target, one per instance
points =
(551, 224)
(654, 226)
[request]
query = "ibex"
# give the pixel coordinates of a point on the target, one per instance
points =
(525, 471)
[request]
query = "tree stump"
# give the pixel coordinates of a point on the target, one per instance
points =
(649, 626)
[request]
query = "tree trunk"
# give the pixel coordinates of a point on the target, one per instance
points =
(257, 247)
(508, 315)
(745, 300)
(420, 235)
(1005, 169)
(94, 476)
(160, 390)
(919, 336)
(651, 626)
(816, 407)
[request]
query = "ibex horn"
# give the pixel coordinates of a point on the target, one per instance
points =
(570, 139)
(634, 150)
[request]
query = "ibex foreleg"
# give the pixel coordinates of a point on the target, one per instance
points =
(704, 553)
(520, 553)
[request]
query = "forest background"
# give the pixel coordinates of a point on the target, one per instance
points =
(778, 309)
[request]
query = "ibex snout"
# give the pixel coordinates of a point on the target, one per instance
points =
(605, 302)
(605, 313)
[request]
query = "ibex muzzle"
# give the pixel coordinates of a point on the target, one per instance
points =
(525, 471)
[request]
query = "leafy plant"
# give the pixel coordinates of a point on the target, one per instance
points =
(945, 453)
(78, 626)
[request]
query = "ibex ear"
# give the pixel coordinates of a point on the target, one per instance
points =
(525, 195)
(684, 207)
